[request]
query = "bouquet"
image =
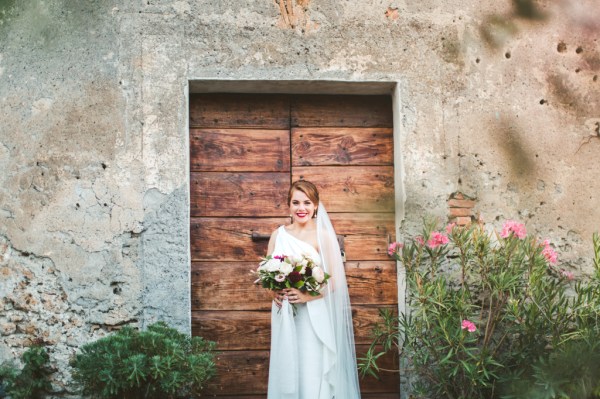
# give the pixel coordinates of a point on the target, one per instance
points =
(301, 272)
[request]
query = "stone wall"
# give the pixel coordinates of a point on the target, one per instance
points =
(499, 101)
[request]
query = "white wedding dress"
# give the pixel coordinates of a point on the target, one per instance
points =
(312, 353)
(302, 346)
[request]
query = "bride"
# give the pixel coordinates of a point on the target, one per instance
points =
(312, 352)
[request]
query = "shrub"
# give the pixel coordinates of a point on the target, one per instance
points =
(484, 307)
(571, 371)
(31, 382)
(157, 363)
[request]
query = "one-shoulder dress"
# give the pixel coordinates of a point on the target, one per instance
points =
(302, 346)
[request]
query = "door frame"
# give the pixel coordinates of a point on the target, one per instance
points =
(318, 87)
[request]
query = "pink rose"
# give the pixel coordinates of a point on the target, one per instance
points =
(318, 274)
(516, 228)
(468, 325)
(394, 248)
(549, 253)
(436, 239)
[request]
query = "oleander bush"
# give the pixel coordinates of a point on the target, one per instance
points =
(572, 371)
(159, 362)
(492, 315)
(30, 382)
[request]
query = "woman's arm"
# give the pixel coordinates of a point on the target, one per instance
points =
(272, 240)
(277, 296)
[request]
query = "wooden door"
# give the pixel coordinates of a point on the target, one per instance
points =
(245, 151)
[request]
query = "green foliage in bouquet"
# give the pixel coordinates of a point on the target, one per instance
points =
(486, 310)
(157, 363)
(31, 382)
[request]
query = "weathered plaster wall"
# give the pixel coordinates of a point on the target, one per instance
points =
(500, 101)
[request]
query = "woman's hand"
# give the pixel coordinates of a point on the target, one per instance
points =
(294, 295)
(277, 297)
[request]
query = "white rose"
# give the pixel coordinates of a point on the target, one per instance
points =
(286, 268)
(296, 260)
(273, 265)
(318, 274)
(316, 261)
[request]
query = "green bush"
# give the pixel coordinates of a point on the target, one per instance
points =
(486, 310)
(572, 371)
(157, 363)
(31, 382)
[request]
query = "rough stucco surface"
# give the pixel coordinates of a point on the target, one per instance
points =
(499, 102)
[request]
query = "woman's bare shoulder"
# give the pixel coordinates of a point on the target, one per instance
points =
(274, 233)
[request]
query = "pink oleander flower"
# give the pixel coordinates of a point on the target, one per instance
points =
(394, 248)
(436, 239)
(567, 274)
(468, 325)
(450, 227)
(516, 228)
(419, 240)
(549, 252)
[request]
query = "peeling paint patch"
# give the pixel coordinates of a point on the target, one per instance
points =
(392, 13)
(293, 13)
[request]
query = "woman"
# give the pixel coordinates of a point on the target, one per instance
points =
(312, 352)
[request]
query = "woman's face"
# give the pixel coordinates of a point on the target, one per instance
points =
(302, 208)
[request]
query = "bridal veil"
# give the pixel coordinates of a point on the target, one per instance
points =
(344, 376)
